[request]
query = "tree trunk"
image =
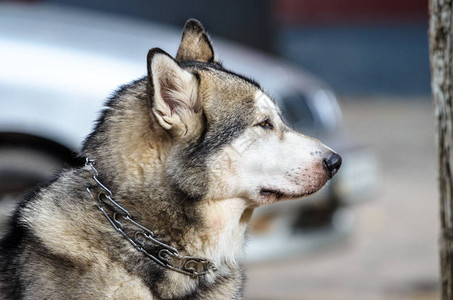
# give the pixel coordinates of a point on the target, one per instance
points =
(440, 38)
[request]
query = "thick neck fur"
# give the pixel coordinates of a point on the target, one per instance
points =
(131, 156)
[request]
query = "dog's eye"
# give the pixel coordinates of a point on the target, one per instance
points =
(266, 124)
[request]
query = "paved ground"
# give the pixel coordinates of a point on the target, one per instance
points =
(392, 254)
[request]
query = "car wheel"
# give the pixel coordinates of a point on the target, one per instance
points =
(21, 169)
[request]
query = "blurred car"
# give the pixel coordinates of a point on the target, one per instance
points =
(59, 65)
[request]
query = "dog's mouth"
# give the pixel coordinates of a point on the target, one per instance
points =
(272, 193)
(276, 195)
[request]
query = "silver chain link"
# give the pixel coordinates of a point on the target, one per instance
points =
(166, 255)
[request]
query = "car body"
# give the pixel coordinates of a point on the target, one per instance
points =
(59, 65)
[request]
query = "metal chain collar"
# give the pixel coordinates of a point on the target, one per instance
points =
(167, 256)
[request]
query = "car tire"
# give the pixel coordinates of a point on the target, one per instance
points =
(22, 169)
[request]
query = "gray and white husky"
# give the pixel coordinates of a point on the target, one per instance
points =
(174, 168)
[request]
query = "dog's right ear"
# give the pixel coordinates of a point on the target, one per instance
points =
(195, 44)
(172, 92)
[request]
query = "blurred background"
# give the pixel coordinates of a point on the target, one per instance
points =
(353, 73)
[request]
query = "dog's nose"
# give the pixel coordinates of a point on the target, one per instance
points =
(332, 163)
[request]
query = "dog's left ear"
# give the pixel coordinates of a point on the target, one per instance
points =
(172, 93)
(195, 44)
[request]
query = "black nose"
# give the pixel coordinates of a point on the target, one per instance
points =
(332, 163)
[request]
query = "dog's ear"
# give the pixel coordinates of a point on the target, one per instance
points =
(172, 92)
(195, 44)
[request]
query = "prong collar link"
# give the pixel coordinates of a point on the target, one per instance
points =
(167, 256)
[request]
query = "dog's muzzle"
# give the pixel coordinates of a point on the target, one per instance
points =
(332, 164)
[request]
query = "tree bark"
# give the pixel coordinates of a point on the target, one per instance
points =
(440, 40)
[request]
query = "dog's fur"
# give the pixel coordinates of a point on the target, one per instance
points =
(190, 150)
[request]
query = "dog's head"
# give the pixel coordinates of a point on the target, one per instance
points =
(227, 136)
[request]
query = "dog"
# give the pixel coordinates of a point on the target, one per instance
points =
(174, 168)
